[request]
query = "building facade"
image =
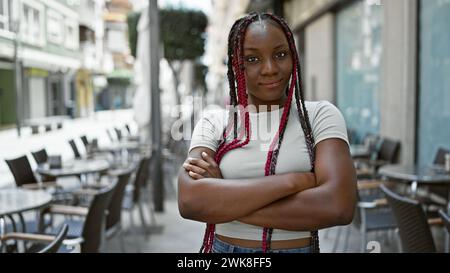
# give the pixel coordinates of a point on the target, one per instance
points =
(47, 53)
(383, 64)
(224, 14)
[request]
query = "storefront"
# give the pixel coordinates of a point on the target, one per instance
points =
(434, 80)
(358, 68)
(7, 94)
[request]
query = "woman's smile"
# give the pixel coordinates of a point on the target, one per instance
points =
(271, 84)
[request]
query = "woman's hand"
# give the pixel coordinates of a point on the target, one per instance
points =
(206, 167)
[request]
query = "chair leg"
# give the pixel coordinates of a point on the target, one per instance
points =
(399, 243)
(447, 242)
(363, 240)
(152, 214)
(144, 224)
(122, 241)
(130, 212)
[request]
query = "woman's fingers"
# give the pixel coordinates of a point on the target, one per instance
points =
(195, 176)
(199, 163)
(194, 169)
(205, 166)
(209, 159)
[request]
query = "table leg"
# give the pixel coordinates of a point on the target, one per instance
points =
(2, 233)
(447, 236)
(414, 185)
(22, 222)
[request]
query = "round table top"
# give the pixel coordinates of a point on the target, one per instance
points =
(420, 174)
(18, 200)
(118, 146)
(75, 167)
(359, 151)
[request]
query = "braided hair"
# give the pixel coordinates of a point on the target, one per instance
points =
(239, 102)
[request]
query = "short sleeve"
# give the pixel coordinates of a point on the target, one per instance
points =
(328, 122)
(208, 130)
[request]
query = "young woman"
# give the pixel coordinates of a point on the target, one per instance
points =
(267, 192)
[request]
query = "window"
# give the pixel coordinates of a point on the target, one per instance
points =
(434, 82)
(72, 36)
(5, 15)
(359, 49)
(116, 41)
(32, 23)
(55, 27)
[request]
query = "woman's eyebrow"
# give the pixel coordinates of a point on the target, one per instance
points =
(257, 49)
(281, 45)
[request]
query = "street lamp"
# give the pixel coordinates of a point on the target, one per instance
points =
(15, 27)
(158, 175)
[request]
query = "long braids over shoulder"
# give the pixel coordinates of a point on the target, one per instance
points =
(239, 102)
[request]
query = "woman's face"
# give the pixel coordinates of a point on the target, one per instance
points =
(268, 63)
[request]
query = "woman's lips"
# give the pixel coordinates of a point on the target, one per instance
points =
(273, 84)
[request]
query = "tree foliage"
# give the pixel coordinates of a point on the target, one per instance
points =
(132, 20)
(183, 34)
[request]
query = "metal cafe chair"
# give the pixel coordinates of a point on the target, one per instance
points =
(75, 150)
(89, 231)
(40, 243)
(413, 226)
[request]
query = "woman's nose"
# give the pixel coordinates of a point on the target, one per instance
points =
(269, 67)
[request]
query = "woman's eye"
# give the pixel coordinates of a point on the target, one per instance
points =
(251, 59)
(281, 54)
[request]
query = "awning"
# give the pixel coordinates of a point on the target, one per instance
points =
(120, 76)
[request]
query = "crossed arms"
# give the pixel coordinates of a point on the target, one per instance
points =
(292, 201)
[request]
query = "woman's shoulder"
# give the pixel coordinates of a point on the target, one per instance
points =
(215, 115)
(318, 108)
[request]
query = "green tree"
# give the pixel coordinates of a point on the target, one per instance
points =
(132, 20)
(183, 38)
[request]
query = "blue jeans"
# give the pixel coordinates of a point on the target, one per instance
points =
(223, 247)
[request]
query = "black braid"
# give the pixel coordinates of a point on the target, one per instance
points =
(234, 39)
(303, 117)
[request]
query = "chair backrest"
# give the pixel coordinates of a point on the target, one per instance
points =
(95, 220)
(110, 136)
(76, 153)
(141, 177)
(115, 205)
(56, 243)
(128, 128)
(357, 218)
(388, 150)
(85, 141)
(439, 158)
(21, 170)
(445, 219)
(118, 133)
(40, 156)
(414, 231)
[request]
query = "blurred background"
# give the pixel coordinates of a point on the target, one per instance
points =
(112, 82)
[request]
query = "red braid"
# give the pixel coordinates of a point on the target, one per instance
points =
(236, 72)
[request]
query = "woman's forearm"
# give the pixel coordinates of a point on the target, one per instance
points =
(224, 200)
(312, 209)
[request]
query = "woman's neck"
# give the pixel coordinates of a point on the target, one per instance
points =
(266, 106)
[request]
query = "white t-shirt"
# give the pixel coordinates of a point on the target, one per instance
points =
(249, 161)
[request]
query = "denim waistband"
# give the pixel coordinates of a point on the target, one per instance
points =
(223, 247)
